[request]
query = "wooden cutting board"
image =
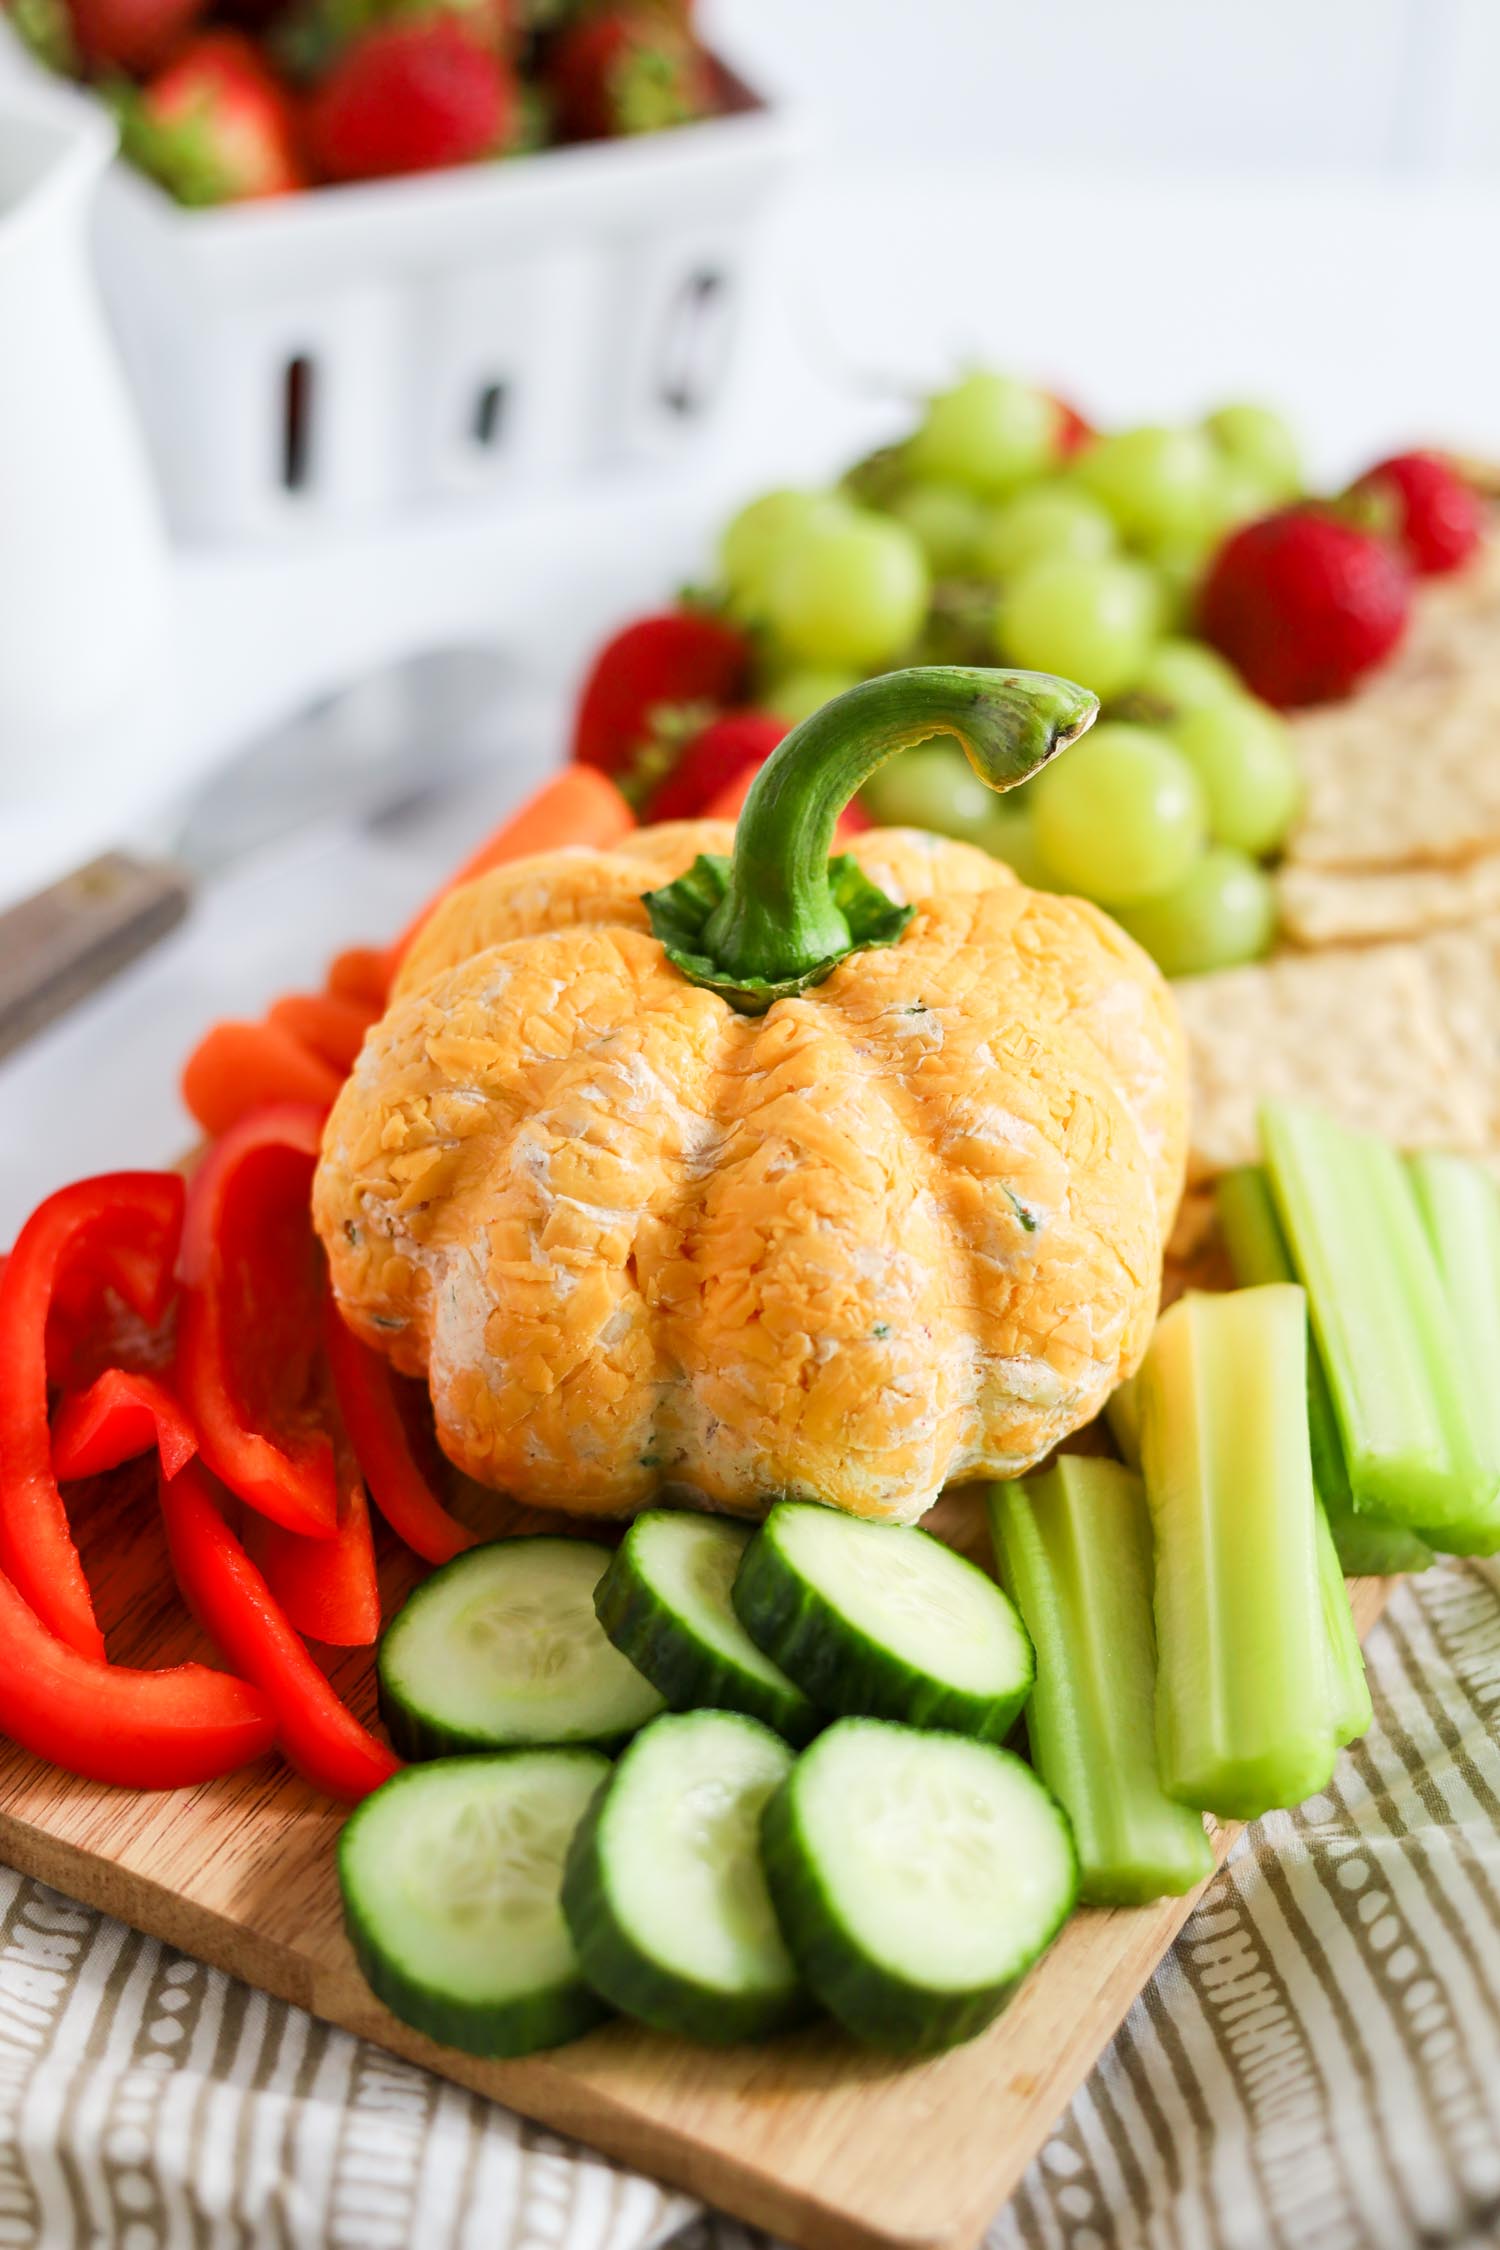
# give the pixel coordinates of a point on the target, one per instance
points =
(823, 2144)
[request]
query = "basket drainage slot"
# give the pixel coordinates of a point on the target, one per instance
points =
(490, 402)
(296, 423)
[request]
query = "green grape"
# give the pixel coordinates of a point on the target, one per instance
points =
(762, 527)
(1156, 483)
(931, 787)
(1237, 496)
(850, 593)
(1052, 522)
(1010, 834)
(796, 695)
(1188, 676)
(1262, 442)
(988, 433)
(1221, 913)
(1121, 815)
(1179, 564)
(946, 522)
(1242, 754)
(1093, 622)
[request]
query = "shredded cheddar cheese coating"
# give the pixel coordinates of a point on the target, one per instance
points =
(903, 1229)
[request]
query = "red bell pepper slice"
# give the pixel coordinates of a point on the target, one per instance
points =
(326, 1587)
(317, 1733)
(121, 1415)
(370, 1404)
(249, 1358)
(125, 1225)
(140, 1730)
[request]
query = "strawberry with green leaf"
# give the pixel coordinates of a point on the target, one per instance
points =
(215, 126)
(630, 66)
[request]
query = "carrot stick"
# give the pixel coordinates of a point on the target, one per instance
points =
(236, 1067)
(327, 1024)
(362, 973)
(580, 805)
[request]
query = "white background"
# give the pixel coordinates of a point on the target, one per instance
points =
(1188, 86)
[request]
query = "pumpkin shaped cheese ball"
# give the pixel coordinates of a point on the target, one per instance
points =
(840, 1179)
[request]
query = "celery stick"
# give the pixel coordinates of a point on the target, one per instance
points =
(1460, 1207)
(1123, 1414)
(1412, 1440)
(1074, 1549)
(1368, 1546)
(1243, 1686)
(1348, 1689)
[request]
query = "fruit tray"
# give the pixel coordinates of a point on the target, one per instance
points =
(326, 360)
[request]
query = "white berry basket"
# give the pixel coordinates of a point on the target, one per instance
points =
(323, 361)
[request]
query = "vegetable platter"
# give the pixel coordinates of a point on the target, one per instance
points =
(596, 1302)
(810, 2137)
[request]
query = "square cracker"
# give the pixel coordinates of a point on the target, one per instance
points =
(1408, 777)
(1464, 968)
(1363, 1034)
(1333, 906)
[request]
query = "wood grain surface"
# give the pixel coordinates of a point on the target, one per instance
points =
(824, 2145)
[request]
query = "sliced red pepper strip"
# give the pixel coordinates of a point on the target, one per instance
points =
(137, 1217)
(317, 1733)
(327, 1587)
(121, 1415)
(140, 1730)
(249, 1358)
(365, 1386)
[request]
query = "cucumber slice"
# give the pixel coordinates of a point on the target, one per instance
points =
(1368, 1546)
(450, 1876)
(917, 1878)
(1383, 1325)
(1074, 1548)
(873, 1618)
(1243, 1704)
(665, 1602)
(664, 1891)
(1461, 1211)
(501, 1648)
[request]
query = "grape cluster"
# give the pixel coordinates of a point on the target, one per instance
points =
(1003, 529)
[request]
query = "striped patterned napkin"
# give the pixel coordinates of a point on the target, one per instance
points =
(1317, 2062)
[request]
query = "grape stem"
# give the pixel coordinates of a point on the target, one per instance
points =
(778, 917)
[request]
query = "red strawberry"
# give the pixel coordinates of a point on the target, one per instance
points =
(651, 688)
(630, 67)
(215, 126)
(412, 97)
(735, 743)
(311, 36)
(1421, 501)
(1304, 605)
(128, 34)
(1073, 429)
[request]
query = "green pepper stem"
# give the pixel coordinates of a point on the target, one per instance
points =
(778, 917)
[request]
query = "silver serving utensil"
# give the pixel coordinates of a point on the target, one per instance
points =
(376, 752)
